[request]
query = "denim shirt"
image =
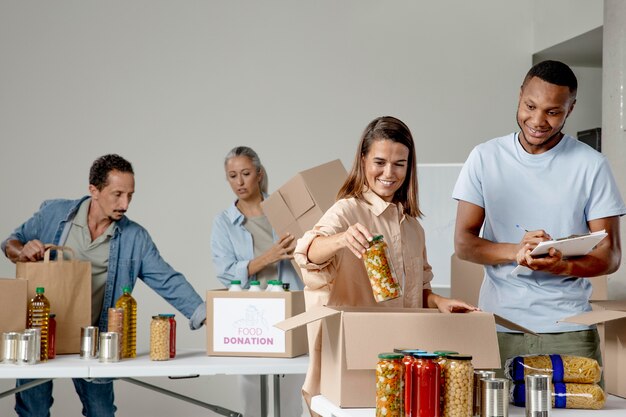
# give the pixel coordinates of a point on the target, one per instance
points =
(132, 255)
(232, 250)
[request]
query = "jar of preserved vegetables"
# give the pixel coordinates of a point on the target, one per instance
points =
(389, 385)
(426, 386)
(407, 360)
(458, 386)
(382, 277)
(159, 338)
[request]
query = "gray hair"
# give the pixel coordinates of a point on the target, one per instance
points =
(256, 161)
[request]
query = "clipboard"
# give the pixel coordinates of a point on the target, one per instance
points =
(573, 246)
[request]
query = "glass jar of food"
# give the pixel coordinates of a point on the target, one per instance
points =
(172, 319)
(389, 385)
(458, 386)
(159, 338)
(426, 386)
(382, 277)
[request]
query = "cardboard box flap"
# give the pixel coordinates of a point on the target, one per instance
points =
(512, 326)
(617, 305)
(307, 317)
(318, 179)
(472, 333)
(277, 211)
(595, 317)
(298, 202)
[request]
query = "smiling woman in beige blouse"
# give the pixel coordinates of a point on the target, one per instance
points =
(379, 197)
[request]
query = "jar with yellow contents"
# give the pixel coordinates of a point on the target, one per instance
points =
(458, 386)
(159, 338)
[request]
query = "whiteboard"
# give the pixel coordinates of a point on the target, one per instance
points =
(436, 182)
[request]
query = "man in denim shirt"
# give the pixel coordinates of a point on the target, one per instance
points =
(120, 251)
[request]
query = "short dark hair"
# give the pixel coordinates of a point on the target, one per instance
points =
(554, 72)
(99, 172)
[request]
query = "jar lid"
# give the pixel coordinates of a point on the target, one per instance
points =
(168, 315)
(445, 352)
(460, 357)
(255, 282)
(235, 282)
(408, 351)
(425, 355)
(377, 238)
(390, 355)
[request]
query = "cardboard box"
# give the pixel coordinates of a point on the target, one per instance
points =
(467, 277)
(13, 305)
(298, 205)
(241, 323)
(353, 337)
(610, 317)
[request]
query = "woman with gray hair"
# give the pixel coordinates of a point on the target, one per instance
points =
(245, 248)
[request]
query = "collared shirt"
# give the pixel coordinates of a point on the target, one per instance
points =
(96, 252)
(232, 250)
(132, 255)
(342, 280)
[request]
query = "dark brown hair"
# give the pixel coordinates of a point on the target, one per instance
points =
(385, 128)
(99, 171)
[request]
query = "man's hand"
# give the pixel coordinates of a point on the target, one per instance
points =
(30, 252)
(553, 262)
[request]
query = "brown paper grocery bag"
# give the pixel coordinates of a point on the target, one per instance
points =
(67, 285)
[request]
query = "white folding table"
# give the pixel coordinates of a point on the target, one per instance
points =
(615, 407)
(188, 363)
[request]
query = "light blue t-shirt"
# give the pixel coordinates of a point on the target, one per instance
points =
(558, 191)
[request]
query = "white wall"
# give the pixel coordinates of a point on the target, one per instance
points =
(173, 85)
(556, 21)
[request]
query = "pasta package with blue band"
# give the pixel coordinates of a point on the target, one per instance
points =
(563, 368)
(565, 395)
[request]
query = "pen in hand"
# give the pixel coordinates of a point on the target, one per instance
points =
(520, 227)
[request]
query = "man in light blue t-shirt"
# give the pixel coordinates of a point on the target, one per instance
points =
(528, 187)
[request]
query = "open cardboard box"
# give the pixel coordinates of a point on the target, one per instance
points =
(610, 317)
(240, 323)
(298, 204)
(353, 337)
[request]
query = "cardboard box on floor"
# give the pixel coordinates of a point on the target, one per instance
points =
(298, 204)
(353, 337)
(13, 305)
(241, 324)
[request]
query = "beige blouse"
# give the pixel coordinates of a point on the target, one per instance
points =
(342, 281)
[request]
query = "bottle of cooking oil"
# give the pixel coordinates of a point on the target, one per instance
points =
(129, 331)
(38, 316)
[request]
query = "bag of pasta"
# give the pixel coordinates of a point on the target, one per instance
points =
(565, 395)
(563, 368)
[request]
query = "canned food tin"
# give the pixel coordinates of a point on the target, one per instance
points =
(538, 395)
(9, 347)
(494, 397)
(109, 347)
(89, 342)
(36, 331)
(26, 349)
(478, 375)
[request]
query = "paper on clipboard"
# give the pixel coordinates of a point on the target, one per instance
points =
(574, 246)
